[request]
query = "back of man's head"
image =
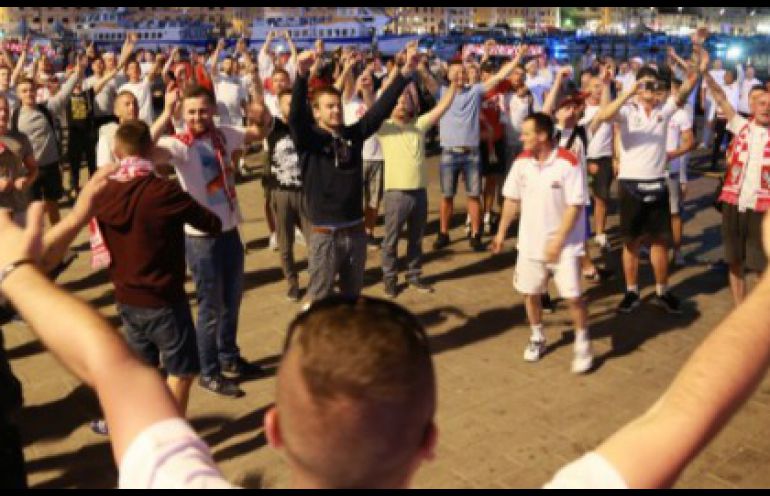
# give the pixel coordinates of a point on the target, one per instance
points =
(356, 395)
(133, 139)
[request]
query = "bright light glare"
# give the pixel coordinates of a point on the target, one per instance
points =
(734, 52)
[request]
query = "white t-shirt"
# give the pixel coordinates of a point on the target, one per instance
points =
(643, 140)
(599, 143)
(592, 471)
(142, 92)
(104, 151)
(516, 109)
(539, 86)
(352, 112)
(170, 455)
(743, 103)
(200, 174)
(626, 80)
(751, 181)
(680, 122)
(105, 99)
(271, 102)
(230, 96)
(545, 191)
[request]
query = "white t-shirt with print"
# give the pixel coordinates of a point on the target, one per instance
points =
(752, 175)
(545, 191)
(200, 174)
(643, 140)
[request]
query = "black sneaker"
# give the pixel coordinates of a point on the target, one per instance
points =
(391, 288)
(293, 293)
(629, 303)
(668, 302)
(241, 368)
(442, 241)
(221, 385)
(476, 244)
(547, 303)
(420, 286)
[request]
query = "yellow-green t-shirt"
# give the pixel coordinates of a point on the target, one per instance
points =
(403, 151)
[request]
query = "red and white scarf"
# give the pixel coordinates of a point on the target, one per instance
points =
(130, 168)
(218, 142)
(738, 157)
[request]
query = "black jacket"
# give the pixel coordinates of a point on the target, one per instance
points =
(332, 168)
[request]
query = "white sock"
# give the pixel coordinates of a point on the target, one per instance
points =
(632, 288)
(486, 218)
(537, 333)
(582, 340)
(660, 289)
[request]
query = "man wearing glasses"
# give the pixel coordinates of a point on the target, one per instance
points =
(331, 160)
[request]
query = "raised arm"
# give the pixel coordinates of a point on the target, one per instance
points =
(506, 69)
(214, 59)
(698, 56)
(716, 91)
(20, 63)
(381, 110)
(132, 395)
(125, 55)
(57, 101)
(443, 105)
(300, 116)
(344, 82)
(427, 78)
(292, 48)
(171, 105)
(549, 105)
(718, 378)
(607, 79)
(609, 111)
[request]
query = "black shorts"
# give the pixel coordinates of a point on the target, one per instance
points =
(48, 184)
(644, 210)
(742, 237)
(601, 182)
(167, 333)
(496, 167)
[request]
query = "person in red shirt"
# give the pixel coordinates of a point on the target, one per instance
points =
(492, 146)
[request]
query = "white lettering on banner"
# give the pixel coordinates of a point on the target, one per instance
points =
(15, 48)
(499, 50)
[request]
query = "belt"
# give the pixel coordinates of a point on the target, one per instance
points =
(330, 230)
(461, 149)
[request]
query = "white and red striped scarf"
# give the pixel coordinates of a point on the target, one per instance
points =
(130, 168)
(736, 169)
(218, 142)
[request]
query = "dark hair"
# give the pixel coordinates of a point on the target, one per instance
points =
(488, 67)
(198, 91)
(325, 90)
(543, 123)
(648, 71)
(283, 93)
(455, 62)
(133, 138)
(757, 87)
(278, 71)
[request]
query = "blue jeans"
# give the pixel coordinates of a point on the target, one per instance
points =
(216, 264)
(452, 164)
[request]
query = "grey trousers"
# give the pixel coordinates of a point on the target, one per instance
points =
(289, 210)
(342, 253)
(410, 207)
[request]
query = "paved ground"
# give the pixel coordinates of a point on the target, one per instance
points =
(502, 422)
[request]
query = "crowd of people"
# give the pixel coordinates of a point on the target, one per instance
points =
(165, 135)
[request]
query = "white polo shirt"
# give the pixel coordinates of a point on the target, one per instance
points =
(515, 110)
(545, 191)
(680, 122)
(752, 177)
(643, 141)
(600, 142)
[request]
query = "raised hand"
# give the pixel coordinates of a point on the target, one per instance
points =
(221, 44)
(305, 61)
(17, 244)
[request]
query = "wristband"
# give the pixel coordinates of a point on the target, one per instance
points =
(8, 269)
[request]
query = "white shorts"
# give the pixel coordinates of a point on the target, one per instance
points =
(531, 276)
(674, 195)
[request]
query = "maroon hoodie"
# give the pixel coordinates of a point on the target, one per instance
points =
(142, 222)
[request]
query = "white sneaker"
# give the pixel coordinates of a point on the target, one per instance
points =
(583, 360)
(601, 241)
(299, 237)
(534, 351)
(273, 244)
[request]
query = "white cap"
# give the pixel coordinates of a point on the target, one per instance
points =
(638, 60)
